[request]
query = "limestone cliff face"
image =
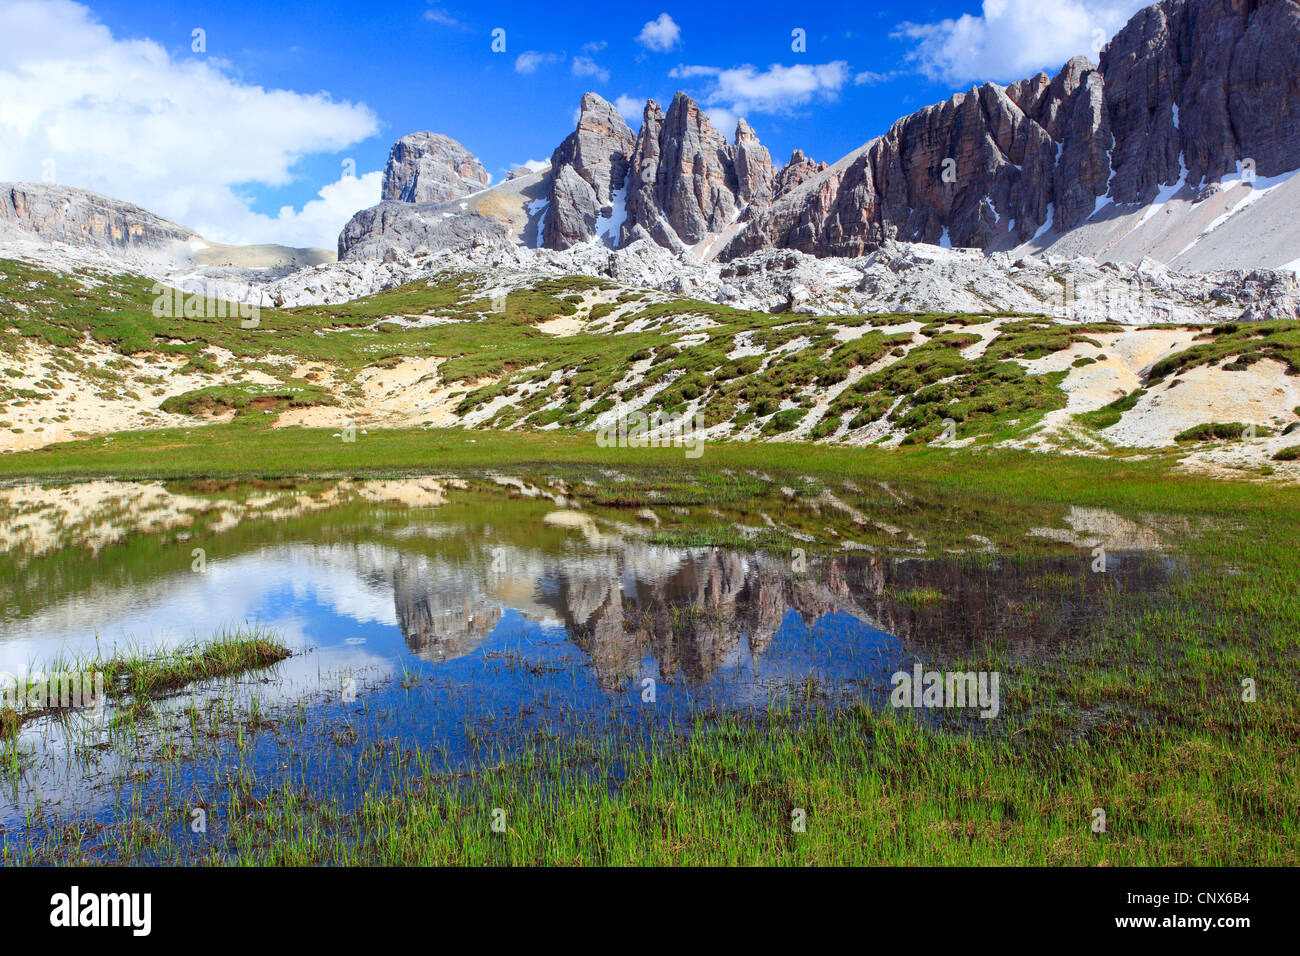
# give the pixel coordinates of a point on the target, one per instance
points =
(430, 167)
(80, 217)
(696, 180)
(589, 170)
(976, 170)
(755, 174)
(679, 180)
(1186, 91)
(642, 192)
(1210, 82)
(689, 182)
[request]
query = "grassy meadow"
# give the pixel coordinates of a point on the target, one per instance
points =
(1176, 715)
(1142, 716)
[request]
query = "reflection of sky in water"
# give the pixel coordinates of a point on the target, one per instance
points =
(498, 670)
(472, 663)
(188, 605)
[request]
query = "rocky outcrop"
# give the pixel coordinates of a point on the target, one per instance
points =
(1070, 109)
(82, 218)
(642, 203)
(689, 182)
(1186, 93)
(978, 170)
(393, 230)
(678, 181)
(589, 172)
(695, 180)
(430, 167)
(1266, 294)
(755, 174)
(795, 173)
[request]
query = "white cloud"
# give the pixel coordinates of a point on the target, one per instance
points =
(682, 72)
(872, 77)
(745, 89)
(319, 221)
(586, 66)
(1013, 39)
(631, 108)
(435, 14)
(723, 119)
(529, 61)
(660, 34)
(595, 46)
(182, 138)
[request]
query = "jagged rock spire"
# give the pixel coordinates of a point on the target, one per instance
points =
(588, 170)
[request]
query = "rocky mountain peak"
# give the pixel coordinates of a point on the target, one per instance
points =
(588, 172)
(696, 179)
(1186, 94)
(430, 167)
(755, 173)
(1186, 91)
(676, 181)
(642, 188)
(744, 132)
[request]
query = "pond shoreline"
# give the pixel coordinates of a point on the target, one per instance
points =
(1140, 695)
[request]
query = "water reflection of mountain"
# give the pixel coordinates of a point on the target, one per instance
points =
(688, 610)
(692, 611)
(694, 618)
(441, 616)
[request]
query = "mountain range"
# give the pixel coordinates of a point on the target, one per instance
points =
(1102, 259)
(1180, 144)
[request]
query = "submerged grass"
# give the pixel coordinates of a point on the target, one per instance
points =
(143, 675)
(135, 675)
(1144, 714)
(862, 788)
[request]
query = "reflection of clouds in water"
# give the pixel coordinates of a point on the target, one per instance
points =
(354, 580)
(615, 604)
(187, 605)
(696, 612)
(552, 637)
(547, 633)
(325, 666)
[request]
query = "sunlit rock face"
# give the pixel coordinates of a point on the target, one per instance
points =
(687, 182)
(588, 174)
(1183, 95)
(430, 167)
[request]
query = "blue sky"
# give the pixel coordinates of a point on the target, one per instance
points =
(249, 138)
